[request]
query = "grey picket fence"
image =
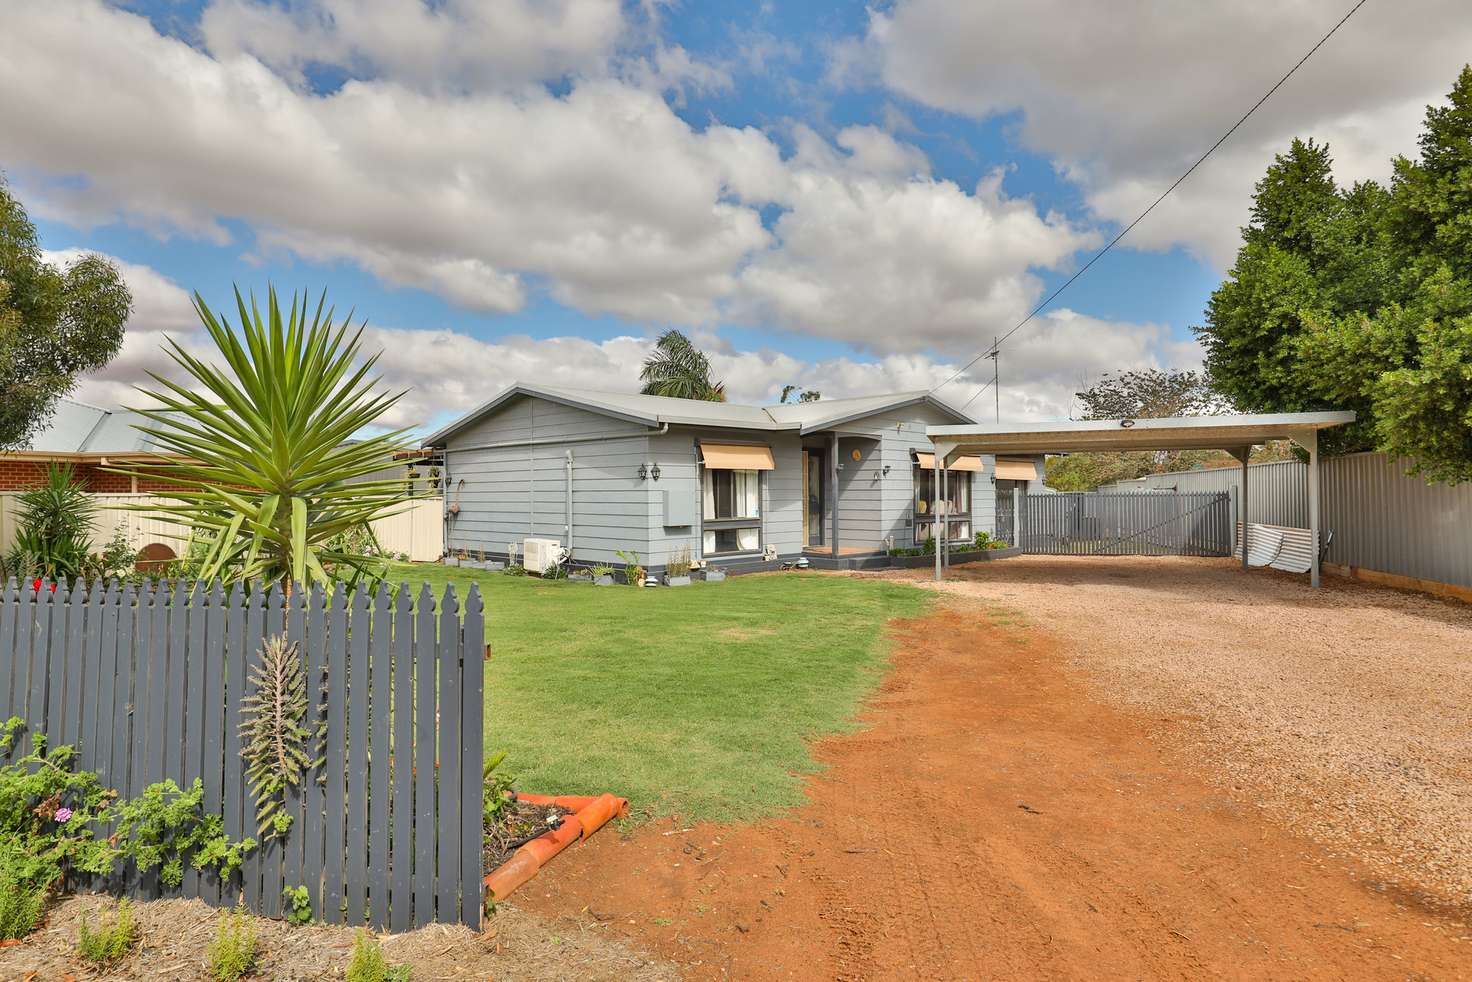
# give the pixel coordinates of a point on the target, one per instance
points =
(147, 682)
(1095, 524)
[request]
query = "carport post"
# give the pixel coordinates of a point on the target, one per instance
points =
(1309, 440)
(1246, 454)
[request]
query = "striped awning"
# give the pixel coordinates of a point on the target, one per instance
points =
(1016, 470)
(736, 457)
(966, 463)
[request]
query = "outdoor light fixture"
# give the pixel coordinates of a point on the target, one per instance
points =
(654, 472)
(643, 472)
(1126, 423)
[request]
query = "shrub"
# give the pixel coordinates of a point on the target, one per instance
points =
(514, 569)
(24, 882)
(679, 563)
(369, 965)
(602, 569)
(495, 785)
(233, 952)
(112, 940)
(298, 906)
(633, 571)
(56, 524)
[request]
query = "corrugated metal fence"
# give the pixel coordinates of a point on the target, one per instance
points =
(148, 683)
(1381, 518)
(1095, 524)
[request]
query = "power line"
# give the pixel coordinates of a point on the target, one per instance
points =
(1139, 218)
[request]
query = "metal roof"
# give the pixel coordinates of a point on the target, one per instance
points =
(1169, 433)
(653, 411)
(76, 428)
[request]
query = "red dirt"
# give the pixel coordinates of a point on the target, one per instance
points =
(993, 820)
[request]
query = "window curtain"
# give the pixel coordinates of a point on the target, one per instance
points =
(708, 496)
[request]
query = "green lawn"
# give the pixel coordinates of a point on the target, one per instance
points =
(698, 701)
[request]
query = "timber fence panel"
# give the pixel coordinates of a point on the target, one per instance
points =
(149, 679)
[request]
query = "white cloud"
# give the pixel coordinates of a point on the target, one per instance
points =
(1126, 96)
(449, 44)
(449, 372)
(598, 193)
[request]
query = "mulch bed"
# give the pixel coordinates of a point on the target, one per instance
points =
(519, 822)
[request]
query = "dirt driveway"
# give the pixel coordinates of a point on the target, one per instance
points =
(1004, 815)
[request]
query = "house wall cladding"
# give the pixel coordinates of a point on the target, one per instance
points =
(1382, 519)
(508, 493)
(147, 684)
(680, 473)
(903, 434)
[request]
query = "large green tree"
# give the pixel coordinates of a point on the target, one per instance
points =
(55, 324)
(1360, 298)
(678, 369)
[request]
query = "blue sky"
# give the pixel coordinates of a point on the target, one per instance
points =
(853, 197)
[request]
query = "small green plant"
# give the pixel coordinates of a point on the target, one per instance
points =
(24, 883)
(55, 525)
(601, 569)
(277, 750)
(114, 937)
(298, 906)
(369, 965)
(233, 952)
(514, 569)
(496, 784)
(633, 571)
(679, 562)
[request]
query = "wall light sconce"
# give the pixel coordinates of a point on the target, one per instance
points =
(886, 470)
(643, 472)
(654, 472)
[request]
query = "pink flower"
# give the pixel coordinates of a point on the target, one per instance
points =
(63, 814)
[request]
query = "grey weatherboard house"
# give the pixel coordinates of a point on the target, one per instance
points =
(741, 487)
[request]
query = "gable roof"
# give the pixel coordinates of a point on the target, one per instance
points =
(655, 411)
(77, 429)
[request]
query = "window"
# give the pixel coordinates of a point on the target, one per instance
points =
(731, 511)
(956, 508)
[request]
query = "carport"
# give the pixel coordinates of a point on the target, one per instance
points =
(1237, 435)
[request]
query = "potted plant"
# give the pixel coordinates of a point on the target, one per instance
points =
(633, 570)
(677, 570)
(714, 574)
(602, 575)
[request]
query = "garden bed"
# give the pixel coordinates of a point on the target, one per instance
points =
(517, 824)
(956, 558)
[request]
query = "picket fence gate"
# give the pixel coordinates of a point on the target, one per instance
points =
(146, 681)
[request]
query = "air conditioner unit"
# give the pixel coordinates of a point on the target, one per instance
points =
(541, 555)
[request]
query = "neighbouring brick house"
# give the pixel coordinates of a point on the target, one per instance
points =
(91, 440)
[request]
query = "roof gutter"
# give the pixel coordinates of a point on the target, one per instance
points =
(660, 430)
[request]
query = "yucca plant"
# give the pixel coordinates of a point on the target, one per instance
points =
(272, 462)
(55, 526)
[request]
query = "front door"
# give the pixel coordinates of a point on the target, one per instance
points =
(812, 497)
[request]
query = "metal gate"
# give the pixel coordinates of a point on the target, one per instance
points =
(1115, 524)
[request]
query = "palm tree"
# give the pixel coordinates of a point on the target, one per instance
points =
(270, 474)
(678, 369)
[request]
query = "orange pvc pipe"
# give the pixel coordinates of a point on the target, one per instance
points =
(572, 802)
(531, 856)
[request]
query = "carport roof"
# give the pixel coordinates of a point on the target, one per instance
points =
(1169, 433)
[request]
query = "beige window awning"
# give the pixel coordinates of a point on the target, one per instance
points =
(1016, 470)
(966, 463)
(736, 457)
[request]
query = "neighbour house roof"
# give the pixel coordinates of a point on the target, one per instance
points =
(1170, 433)
(653, 411)
(76, 429)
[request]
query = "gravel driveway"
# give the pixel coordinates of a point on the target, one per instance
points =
(1346, 711)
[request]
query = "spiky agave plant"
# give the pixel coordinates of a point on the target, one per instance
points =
(277, 748)
(271, 467)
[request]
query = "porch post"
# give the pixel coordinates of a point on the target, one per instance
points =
(943, 528)
(833, 476)
(936, 472)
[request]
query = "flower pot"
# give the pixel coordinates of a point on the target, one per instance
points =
(715, 576)
(677, 580)
(603, 580)
(452, 561)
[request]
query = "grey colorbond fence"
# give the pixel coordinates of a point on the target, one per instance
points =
(1382, 519)
(1095, 524)
(147, 682)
